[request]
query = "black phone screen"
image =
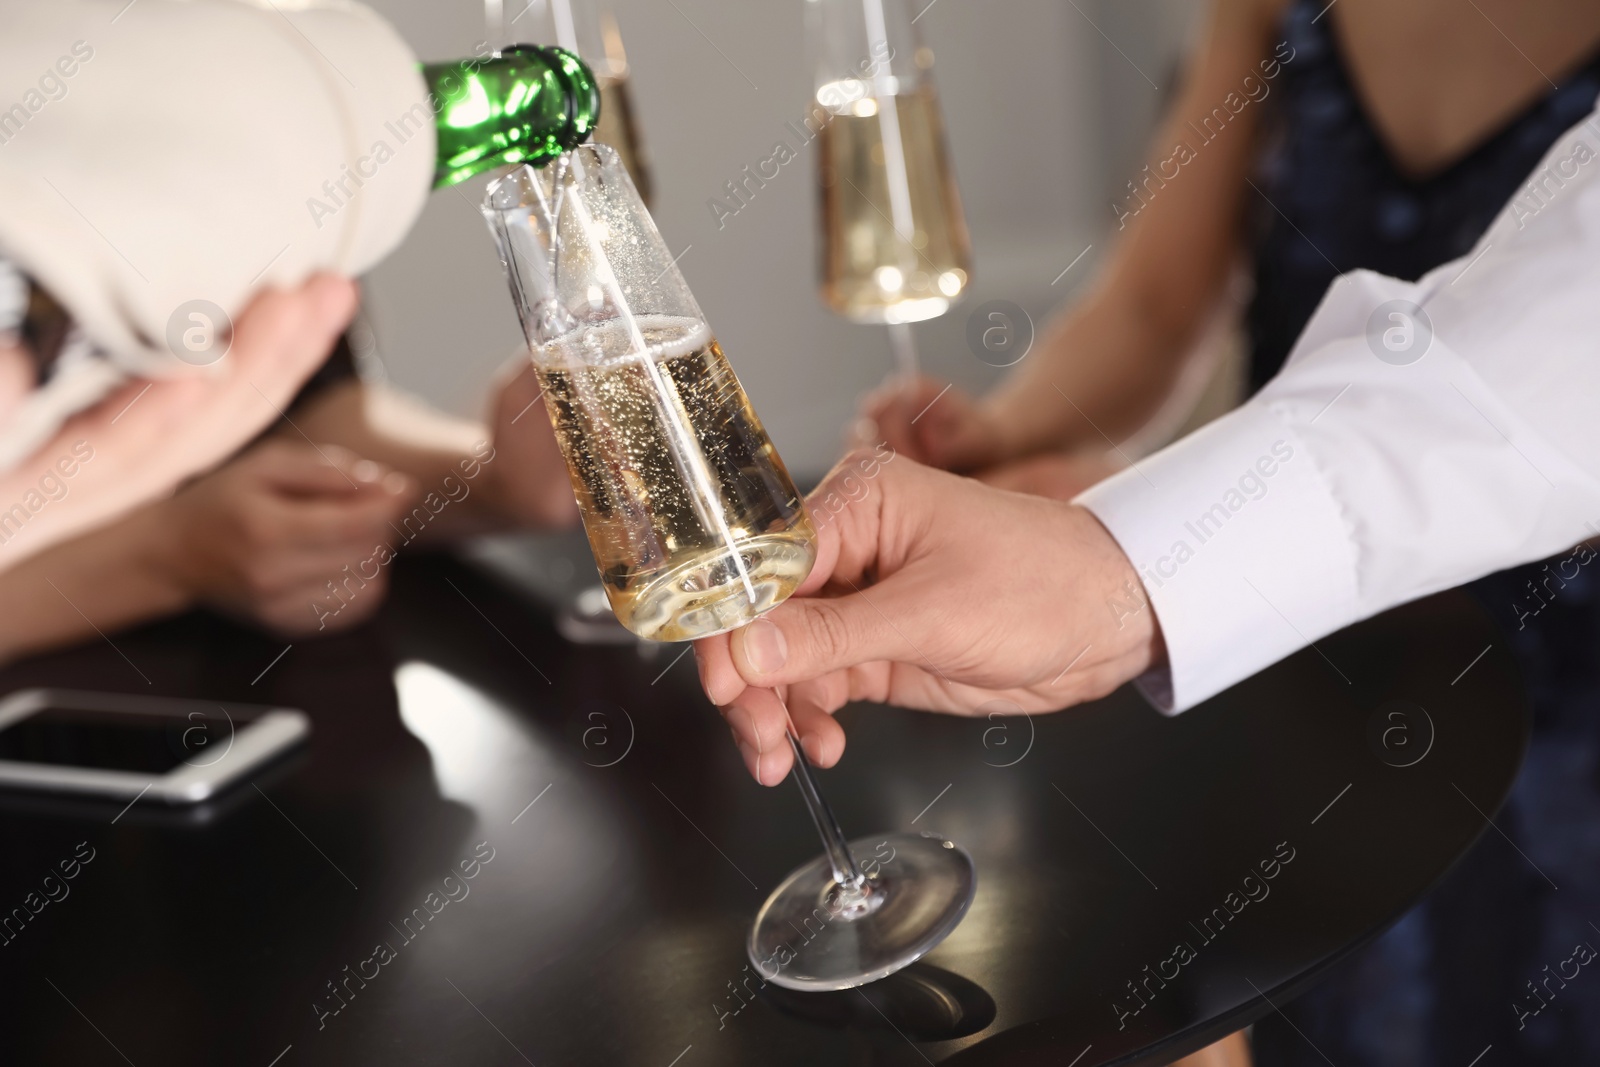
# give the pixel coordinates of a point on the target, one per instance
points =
(116, 741)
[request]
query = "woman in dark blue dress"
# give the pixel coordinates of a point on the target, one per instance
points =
(1478, 964)
(1315, 138)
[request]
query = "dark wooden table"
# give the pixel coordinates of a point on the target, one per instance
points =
(618, 853)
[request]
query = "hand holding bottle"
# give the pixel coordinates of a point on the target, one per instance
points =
(148, 436)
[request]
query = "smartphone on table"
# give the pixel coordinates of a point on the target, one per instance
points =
(120, 747)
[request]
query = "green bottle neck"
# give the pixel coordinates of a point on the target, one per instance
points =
(526, 104)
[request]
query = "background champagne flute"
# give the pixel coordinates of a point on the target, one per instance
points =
(895, 248)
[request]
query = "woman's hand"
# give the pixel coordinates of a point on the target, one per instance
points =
(291, 536)
(932, 591)
(930, 422)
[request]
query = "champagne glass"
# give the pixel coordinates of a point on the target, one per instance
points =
(695, 524)
(895, 248)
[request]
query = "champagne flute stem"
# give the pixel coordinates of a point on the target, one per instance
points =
(845, 871)
(494, 19)
(566, 25)
(905, 351)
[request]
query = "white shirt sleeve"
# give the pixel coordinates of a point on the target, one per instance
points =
(1420, 435)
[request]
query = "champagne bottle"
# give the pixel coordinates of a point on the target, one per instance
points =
(526, 104)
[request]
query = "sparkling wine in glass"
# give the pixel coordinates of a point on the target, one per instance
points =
(871, 273)
(675, 566)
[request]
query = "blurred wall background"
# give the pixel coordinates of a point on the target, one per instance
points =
(1047, 104)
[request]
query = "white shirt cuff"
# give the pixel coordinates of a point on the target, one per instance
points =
(1241, 545)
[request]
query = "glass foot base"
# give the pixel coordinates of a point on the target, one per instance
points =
(815, 935)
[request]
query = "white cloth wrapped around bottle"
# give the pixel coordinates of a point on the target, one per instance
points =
(162, 152)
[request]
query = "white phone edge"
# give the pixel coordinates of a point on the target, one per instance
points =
(269, 734)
